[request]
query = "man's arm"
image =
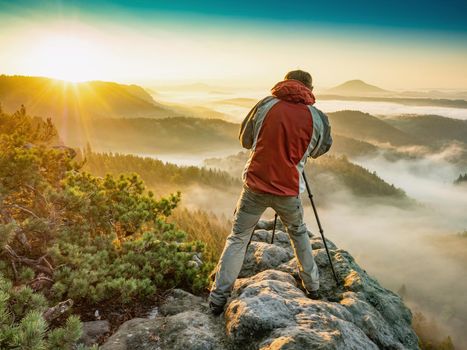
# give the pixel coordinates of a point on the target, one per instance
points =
(325, 137)
(247, 129)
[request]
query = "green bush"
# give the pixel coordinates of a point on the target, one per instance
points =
(22, 325)
(66, 234)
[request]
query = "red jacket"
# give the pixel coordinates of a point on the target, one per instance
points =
(282, 131)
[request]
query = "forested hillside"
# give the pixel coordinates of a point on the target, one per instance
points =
(155, 173)
(331, 174)
(356, 179)
(351, 147)
(64, 102)
(365, 127)
(167, 135)
(431, 129)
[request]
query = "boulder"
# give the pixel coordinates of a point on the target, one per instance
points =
(281, 239)
(261, 256)
(269, 224)
(179, 301)
(192, 330)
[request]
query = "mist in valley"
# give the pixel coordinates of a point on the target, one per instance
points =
(405, 248)
(234, 104)
(390, 108)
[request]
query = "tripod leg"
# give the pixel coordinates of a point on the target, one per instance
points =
(274, 228)
(321, 231)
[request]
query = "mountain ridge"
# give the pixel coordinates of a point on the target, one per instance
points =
(365, 127)
(64, 101)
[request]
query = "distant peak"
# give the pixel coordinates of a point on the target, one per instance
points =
(355, 81)
(356, 86)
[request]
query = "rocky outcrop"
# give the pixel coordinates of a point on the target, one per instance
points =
(268, 309)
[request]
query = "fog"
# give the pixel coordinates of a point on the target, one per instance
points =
(395, 246)
(236, 112)
(187, 159)
(430, 181)
(390, 108)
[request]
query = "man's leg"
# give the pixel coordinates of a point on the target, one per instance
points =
(250, 207)
(290, 210)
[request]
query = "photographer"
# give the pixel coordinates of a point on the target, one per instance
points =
(281, 132)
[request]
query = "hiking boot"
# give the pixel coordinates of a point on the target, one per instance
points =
(312, 294)
(216, 310)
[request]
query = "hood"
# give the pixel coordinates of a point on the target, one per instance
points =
(293, 91)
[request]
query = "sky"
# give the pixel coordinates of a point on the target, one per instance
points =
(394, 44)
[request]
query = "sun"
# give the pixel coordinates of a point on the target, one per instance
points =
(66, 57)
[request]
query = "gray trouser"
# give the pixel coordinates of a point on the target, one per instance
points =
(250, 207)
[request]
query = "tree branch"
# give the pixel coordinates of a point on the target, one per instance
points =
(41, 282)
(25, 210)
(57, 310)
(32, 188)
(35, 264)
(15, 271)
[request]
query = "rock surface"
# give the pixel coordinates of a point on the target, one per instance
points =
(94, 331)
(269, 311)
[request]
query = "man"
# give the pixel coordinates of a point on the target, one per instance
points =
(281, 131)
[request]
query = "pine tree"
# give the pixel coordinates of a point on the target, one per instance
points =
(461, 179)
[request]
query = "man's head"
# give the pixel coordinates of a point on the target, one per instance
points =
(301, 76)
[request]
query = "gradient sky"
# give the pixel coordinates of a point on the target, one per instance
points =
(393, 44)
